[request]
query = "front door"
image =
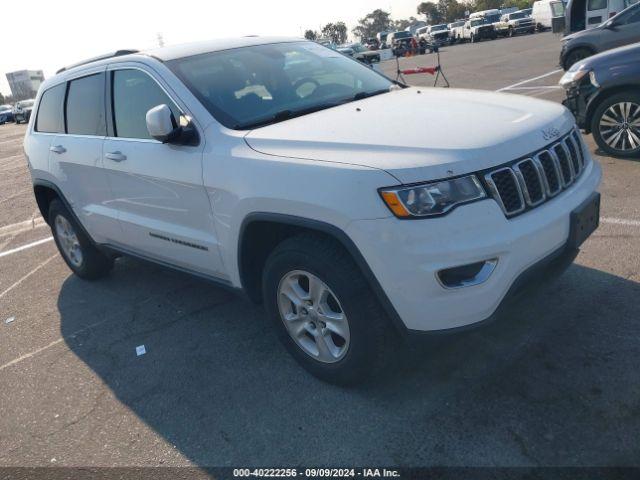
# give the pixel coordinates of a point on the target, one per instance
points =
(625, 31)
(158, 190)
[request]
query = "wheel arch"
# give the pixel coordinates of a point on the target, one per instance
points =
(45, 192)
(261, 232)
(581, 46)
(602, 96)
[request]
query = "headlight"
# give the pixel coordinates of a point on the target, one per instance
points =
(432, 199)
(573, 77)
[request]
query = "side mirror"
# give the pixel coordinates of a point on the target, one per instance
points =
(610, 25)
(162, 125)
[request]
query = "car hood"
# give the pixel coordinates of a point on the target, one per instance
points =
(418, 135)
(582, 34)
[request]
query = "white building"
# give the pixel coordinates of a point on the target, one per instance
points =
(25, 83)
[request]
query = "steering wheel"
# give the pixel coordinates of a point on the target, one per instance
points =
(298, 84)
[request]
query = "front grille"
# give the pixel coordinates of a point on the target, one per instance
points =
(527, 183)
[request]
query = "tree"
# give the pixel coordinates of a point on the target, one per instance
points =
(404, 24)
(451, 10)
(372, 24)
(520, 4)
(311, 35)
(479, 5)
(1, 98)
(431, 12)
(337, 32)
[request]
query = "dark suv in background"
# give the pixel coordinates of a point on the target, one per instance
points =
(621, 30)
(603, 92)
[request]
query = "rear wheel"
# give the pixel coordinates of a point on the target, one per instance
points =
(323, 310)
(77, 250)
(616, 124)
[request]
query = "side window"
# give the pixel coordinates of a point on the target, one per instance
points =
(85, 106)
(633, 17)
(50, 118)
(134, 94)
(597, 4)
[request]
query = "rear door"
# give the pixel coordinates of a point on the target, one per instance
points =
(76, 156)
(158, 189)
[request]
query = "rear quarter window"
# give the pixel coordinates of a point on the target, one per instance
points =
(50, 118)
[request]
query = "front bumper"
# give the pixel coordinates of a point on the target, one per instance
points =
(405, 255)
(577, 101)
(525, 28)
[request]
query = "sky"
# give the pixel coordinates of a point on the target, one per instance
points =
(48, 34)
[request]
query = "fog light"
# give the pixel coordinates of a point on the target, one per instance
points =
(467, 275)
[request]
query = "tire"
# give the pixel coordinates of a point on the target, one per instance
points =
(77, 250)
(575, 56)
(472, 40)
(17, 122)
(354, 355)
(620, 137)
(511, 33)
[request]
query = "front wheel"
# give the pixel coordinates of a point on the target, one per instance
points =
(77, 250)
(616, 125)
(575, 56)
(323, 310)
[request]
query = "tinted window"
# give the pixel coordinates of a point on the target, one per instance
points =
(597, 4)
(50, 118)
(632, 16)
(134, 94)
(85, 106)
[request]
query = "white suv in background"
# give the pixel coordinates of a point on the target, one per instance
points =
(312, 183)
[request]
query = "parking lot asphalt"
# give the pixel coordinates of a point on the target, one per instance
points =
(555, 382)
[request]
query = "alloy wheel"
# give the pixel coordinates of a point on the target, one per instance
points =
(68, 240)
(313, 316)
(620, 126)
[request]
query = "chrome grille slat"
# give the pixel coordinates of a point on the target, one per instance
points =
(530, 182)
(500, 181)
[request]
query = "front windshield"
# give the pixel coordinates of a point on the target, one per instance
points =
(253, 86)
(4, 108)
(437, 28)
(26, 103)
(492, 18)
(402, 35)
(516, 16)
(475, 23)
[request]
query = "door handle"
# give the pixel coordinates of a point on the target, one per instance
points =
(58, 149)
(116, 156)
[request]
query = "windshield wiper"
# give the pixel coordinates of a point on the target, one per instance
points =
(289, 114)
(285, 115)
(363, 95)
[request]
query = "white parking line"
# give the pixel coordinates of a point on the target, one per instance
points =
(620, 221)
(20, 227)
(27, 275)
(25, 247)
(530, 80)
(546, 87)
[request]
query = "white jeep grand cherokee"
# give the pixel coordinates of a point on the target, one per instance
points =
(289, 171)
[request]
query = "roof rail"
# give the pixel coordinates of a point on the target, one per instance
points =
(117, 53)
